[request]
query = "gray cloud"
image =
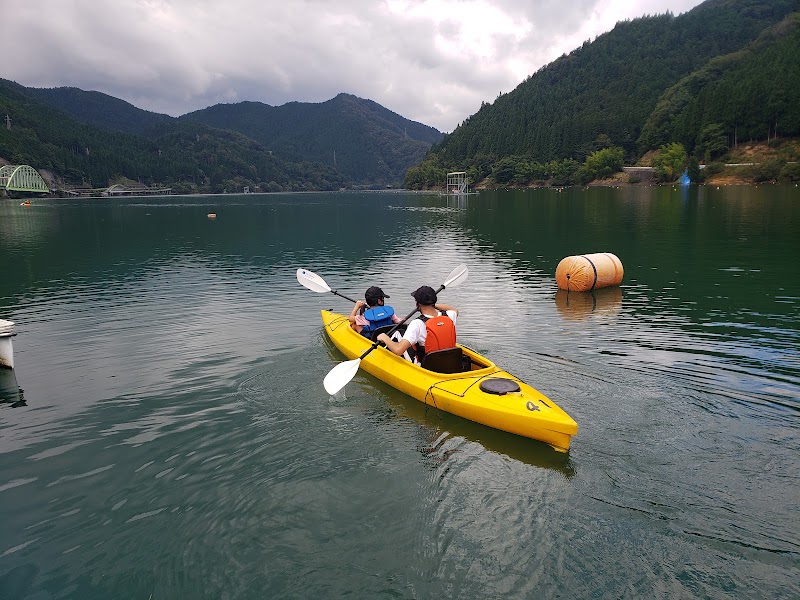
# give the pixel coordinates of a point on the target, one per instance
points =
(432, 61)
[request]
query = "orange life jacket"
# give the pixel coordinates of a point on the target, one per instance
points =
(440, 334)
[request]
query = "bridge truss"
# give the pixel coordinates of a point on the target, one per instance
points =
(22, 178)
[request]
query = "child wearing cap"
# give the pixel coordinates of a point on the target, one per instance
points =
(368, 316)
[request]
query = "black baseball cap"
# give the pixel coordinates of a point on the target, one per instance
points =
(373, 294)
(425, 295)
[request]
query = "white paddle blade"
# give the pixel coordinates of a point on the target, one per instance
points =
(312, 281)
(340, 375)
(457, 277)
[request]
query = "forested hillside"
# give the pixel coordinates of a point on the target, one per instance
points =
(678, 89)
(100, 110)
(186, 155)
(362, 139)
(748, 95)
(603, 96)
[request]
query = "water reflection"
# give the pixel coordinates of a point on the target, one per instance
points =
(459, 201)
(577, 306)
(10, 392)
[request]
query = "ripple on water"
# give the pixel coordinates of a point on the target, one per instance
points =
(175, 421)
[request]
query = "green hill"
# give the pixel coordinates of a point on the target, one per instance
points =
(607, 93)
(744, 96)
(360, 138)
(100, 110)
(723, 73)
(344, 141)
(185, 155)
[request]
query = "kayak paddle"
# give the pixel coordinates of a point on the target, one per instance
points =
(316, 283)
(340, 375)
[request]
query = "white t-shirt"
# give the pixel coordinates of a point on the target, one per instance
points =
(417, 332)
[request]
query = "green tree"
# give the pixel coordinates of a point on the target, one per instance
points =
(711, 142)
(790, 173)
(504, 170)
(563, 172)
(604, 163)
(694, 172)
(669, 161)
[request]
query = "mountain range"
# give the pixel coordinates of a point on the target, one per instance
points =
(724, 72)
(89, 138)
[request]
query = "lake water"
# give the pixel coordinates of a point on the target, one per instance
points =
(166, 432)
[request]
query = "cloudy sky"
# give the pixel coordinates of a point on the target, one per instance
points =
(432, 61)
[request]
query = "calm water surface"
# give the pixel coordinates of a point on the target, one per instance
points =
(166, 432)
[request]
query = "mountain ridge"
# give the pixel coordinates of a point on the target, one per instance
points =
(361, 136)
(601, 95)
(356, 141)
(639, 86)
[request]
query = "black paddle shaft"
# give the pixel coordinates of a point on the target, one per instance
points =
(343, 296)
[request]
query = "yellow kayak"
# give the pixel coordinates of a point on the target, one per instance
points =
(472, 387)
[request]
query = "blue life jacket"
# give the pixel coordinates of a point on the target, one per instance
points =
(378, 316)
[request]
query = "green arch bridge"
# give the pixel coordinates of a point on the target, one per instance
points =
(22, 178)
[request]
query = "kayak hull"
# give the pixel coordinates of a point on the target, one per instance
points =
(526, 412)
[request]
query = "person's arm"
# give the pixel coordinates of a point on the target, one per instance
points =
(410, 337)
(396, 347)
(356, 308)
(445, 307)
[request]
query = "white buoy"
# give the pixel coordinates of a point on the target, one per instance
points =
(6, 349)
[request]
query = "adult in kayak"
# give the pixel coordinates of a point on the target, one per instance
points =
(435, 329)
(368, 316)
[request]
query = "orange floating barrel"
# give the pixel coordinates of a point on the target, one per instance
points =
(586, 272)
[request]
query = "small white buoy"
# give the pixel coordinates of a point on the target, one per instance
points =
(6, 349)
